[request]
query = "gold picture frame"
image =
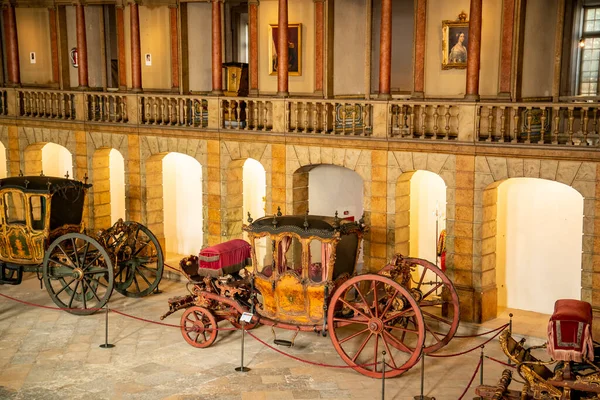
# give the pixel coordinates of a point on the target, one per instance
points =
(455, 40)
(295, 49)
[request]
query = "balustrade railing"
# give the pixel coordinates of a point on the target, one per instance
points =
(3, 102)
(538, 123)
(423, 120)
(46, 104)
(106, 107)
(246, 114)
(173, 110)
(327, 117)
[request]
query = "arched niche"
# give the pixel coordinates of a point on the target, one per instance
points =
(108, 187)
(50, 158)
(3, 163)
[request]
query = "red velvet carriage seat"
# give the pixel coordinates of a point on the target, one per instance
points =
(224, 258)
(570, 331)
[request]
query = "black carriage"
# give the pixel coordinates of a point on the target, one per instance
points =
(41, 231)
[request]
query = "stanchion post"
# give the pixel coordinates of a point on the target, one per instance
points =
(106, 345)
(481, 356)
(383, 376)
(510, 332)
(422, 396)
(241, 368)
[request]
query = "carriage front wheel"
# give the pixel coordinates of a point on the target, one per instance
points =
(363, 320)
(78, 274)
(199, 327)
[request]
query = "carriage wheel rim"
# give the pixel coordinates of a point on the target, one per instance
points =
(196, 322)
(374, 326)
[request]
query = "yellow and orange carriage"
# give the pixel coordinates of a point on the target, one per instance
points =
(302, 273)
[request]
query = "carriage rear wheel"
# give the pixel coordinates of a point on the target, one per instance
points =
(139, 261)
(362, 322)
(78, 273)
(199, 327)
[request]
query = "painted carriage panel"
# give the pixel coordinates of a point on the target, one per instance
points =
(269, 306)
(316, 300)
(291, 298)
(19, 244)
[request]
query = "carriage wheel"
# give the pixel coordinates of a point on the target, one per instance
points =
(78, 273)
(438, 301)
(199, 327)
(362, 324)
(140, 266)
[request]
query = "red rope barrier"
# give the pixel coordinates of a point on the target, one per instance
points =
(501, 362)
(466, 351)
(173, 268)
(471, 381)
(46, 307)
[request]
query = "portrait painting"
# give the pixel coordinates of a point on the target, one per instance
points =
(455, 41)
(294, 49)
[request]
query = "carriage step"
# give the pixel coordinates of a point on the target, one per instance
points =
(11, 275)
(281, 342)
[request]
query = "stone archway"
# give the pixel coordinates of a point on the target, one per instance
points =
(48, 158)
(108, 169)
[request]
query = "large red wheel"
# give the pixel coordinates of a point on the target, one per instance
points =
(437, 299)
(199, 327)
(363, 322)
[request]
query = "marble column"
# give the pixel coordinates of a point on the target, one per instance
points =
(217, 57)
(319, 34)
(54, 44)
(282, 50)
(253, 48)
(12, 45)
(136, 53)
(419, 65)
(508, 25)
(120, 20)
(82, 70)
(174, 48)
(385, 50)
(474, 51)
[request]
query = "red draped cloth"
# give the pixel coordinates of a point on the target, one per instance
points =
(224, 258)
(570, 331)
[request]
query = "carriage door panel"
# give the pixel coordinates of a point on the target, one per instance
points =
(38, 211)
(265, 287)
(17, 232)
(291, 299)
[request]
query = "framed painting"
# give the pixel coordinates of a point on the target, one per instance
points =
(455, 41)
(294, 49)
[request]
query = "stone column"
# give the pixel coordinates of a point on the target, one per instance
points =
(54, 44)
(82, 70)
(508, 25)
(13, 154)
(133, 179)
(473, 51)
(121, 47)
(558, 48)
(217, 57)
(136, 53)
(319, 34)
(253, 50)
(385, 50)
(419, 65)
(278, 183)
(174, 48)
(376, 255)
(214, 193)
(282, 50)
(12, 45)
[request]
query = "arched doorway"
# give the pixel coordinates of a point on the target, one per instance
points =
(3, 164)
(182, 203)
(56, 160)
(536, 238)
(254, 189)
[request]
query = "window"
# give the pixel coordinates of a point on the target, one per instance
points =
(590, 53)
(37, 205)
(15, 208)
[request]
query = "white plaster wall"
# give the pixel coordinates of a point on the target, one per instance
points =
(349, 48)
(199, 46)
(427, 204)
(330, 189)
(56, 160)
(94, 30)
(182, 194)
(299, 11)
(452, 82)
(72, 42)
(3, 166)
(538, 48)
(33, 30)
(538, 251)
(155, 39)
(117, 185)
(403, 23)
(254, 191)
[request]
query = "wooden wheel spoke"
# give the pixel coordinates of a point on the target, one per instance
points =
(405, 330)
(60, 263)
(428, 329)
(344, 340)
(421, 279)
(387, 348)
(363, 299)
(99, 283)
(397, 315)
(430, 315)
(375, 301)
(143, 277)
(137, 284)
(85, 251)
(75, 252)
(73, 295)
(356, 310)
(92, 261)
(197, 336)
(141, 248)
(93, 292)
(196, 316)
(83, 294)
(63, 251)
(352, 321)
(362, 347)
(437, 285)
(375, 351)
(389, 303)
(400, 345)
(64, 287)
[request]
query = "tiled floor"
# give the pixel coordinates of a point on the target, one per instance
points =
(46, 354)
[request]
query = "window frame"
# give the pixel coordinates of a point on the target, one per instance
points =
(580, 54)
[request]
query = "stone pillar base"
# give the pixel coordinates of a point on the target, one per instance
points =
(477, 305)
(253, 93)
(384, 96)
(504, 95)
(417, 95)
(472, 97)
(217, 92)
(283, 94)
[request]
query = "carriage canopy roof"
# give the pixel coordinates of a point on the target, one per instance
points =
(42, 184)
(305, 225)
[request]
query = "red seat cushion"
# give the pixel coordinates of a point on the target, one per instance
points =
(224, 258)
(572, 310)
